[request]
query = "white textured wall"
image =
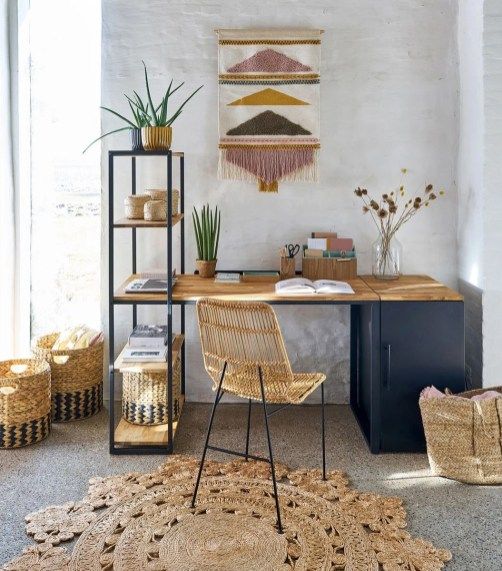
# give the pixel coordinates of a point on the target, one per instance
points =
(470, 154)
(492, 297)
(389, 99)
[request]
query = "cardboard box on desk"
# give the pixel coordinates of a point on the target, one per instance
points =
(318, 268)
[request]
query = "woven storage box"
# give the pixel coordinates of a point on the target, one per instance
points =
(134, 205)
(329, 268)
(160, 194)
(25, 402)
(144, 396)
(464, 438)
(77, 378)
(155, 210)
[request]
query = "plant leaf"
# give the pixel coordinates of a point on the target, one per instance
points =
(106, 135)
(183, 105)
(154, 114)
(118, 115)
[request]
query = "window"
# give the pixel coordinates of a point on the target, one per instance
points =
(65, 68)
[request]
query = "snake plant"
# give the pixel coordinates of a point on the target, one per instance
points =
(207, 232)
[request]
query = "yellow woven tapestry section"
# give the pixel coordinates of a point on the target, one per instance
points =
(269, 97)
(254, 76)
(268, 42)
(269, 147)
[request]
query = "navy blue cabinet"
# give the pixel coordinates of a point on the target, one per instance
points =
(408, 346)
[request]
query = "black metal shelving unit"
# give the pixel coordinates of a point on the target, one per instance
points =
(169, 156)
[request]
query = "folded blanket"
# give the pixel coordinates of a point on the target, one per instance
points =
(433, 393)
(78, 337)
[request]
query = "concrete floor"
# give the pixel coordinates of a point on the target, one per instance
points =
(466, 519)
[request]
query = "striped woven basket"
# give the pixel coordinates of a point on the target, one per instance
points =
(25, 402)
(77, 378)
(464, 437)
(144, 396)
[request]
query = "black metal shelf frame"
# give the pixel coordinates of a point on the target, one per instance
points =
(146, 449)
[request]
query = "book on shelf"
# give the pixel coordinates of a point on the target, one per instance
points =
(227, 277)
(260, 273)
(144, 354)
(149, 283)
(296, 286)
(151, 336)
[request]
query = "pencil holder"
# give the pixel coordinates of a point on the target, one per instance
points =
(288, 268)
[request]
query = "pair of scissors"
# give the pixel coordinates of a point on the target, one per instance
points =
(292, 249)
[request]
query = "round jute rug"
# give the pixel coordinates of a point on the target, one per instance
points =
(144, 522)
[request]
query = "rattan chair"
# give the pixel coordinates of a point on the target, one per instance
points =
(245, 355)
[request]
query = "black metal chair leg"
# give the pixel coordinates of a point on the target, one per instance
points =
(270, 455)
(323, 435)
(201, 467)
(249, 426)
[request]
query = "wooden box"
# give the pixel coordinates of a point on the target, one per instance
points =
(329, 268)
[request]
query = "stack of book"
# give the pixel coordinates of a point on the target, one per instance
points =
(328, 245)
(147, 343)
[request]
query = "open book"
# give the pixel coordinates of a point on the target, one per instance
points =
(304, 286)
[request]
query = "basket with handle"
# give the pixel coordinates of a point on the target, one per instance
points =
(25, 402)
(464, 437)
(77, 378)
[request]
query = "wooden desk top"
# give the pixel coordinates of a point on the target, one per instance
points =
(190, 288)
(412, 288)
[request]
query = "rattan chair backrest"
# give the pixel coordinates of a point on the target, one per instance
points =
(245, 335)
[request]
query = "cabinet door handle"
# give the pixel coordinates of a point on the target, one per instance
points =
(386, 383)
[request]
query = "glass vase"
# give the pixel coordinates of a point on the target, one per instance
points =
(387, 257)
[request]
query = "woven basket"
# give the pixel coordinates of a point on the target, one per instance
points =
(25, 402)
(161, 194)
(155, 210)
(144, 396)
(134, 205)
(77, 378)
(464, 437)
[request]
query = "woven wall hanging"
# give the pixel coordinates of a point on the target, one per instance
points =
(269, 105)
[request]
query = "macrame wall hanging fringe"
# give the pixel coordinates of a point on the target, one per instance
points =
(269, 106)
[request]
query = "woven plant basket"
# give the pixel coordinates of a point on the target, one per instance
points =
(464, 437)
(155, 210)
(134, 205)
(77, 378)
(25, 402)
(161, 194)
(144, 396)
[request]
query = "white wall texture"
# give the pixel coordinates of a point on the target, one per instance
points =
(389, 99)
(492, 296)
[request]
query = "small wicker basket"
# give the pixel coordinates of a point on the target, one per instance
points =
(161, 194)
(134, 205)
(155, 210)
(25, 402)
(144, 396)
(464, 437)
(77, 378)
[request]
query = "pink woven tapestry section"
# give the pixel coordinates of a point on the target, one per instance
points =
(270, 164)
(269, 61)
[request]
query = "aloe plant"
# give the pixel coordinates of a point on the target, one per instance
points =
(147, 115)
(207, 232)
(140, 113)
(158, 116)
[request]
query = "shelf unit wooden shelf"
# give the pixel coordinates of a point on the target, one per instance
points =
(149, 367)
(139, 223)
(127, 438)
